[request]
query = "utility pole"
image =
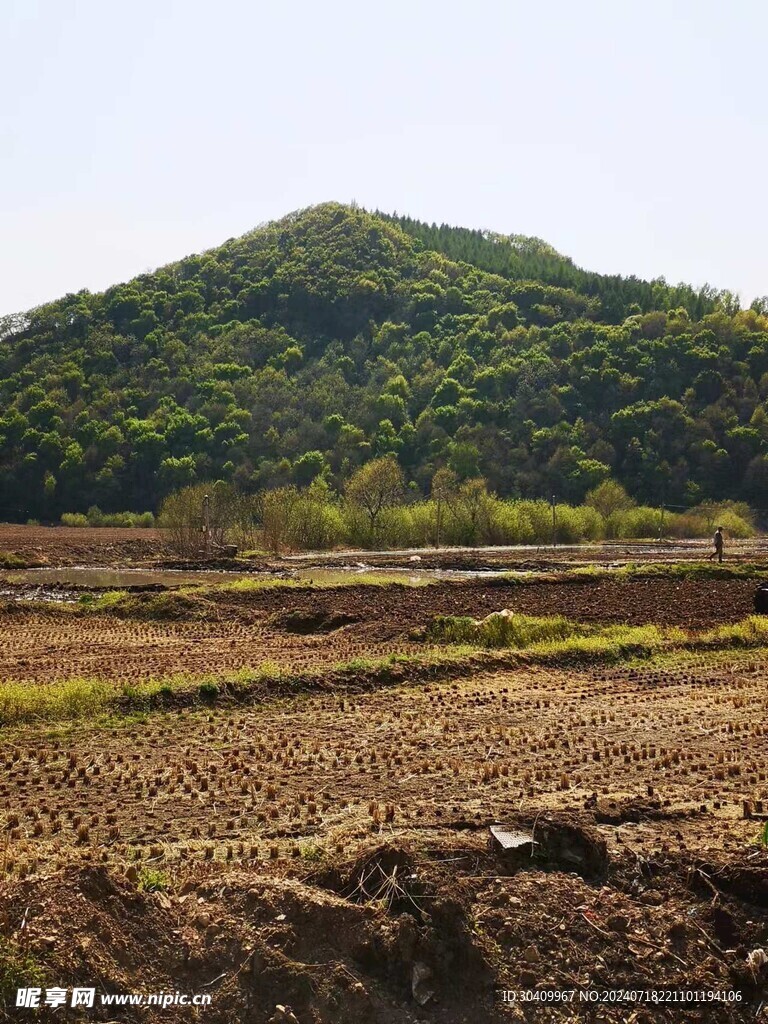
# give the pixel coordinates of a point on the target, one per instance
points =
(554, 523)
(206, 523)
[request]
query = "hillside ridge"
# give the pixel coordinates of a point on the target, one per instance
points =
(314, 343)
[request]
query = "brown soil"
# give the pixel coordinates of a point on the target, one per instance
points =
(318, 850)
(73, 545)
(302, 628)
(330, 852)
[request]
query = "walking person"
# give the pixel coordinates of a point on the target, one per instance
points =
(718, 542)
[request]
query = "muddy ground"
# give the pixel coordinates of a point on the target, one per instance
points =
(110, 546)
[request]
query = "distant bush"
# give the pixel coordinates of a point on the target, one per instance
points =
(735, 526)
(74, 519)
(95, 517)
(10, 560)
(512, 523)
(701, 522)
(639, 522)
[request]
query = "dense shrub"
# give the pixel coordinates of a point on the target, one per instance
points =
(95, 517)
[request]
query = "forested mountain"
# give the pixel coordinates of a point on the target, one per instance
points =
(520, 257)
(315, 343)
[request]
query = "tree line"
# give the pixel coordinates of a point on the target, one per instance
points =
(378, 510)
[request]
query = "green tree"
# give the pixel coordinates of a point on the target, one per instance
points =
(374, 488)
(609, 497)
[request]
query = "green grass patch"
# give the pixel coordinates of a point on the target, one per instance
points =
(79, 698)
(501, 630)
(18, 969)
(103, 602)
(750, 632)
(675, 570)
(163, 606)
(152, 880)
(10, 560)
(553, 637)
(613, 644)
(245, 586)
(74, 698)
(325, 579)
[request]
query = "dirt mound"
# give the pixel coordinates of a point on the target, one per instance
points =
(386, 874)
(416, 928)
(320, 620)
(551, 841)
(631, 809)
(166, 605)
(85, 927)
(746, 879)
(252, 944)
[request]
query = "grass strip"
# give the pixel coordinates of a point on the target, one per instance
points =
(556, 643)
(695, 571)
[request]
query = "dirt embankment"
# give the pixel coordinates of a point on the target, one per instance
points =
(427, 929)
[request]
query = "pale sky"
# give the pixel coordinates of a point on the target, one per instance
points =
(630, 134)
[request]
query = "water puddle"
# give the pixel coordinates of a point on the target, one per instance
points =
(66, 583)
(105, 578)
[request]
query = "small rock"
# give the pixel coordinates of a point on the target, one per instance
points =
(652, 898)
(283, 1015)
(618, 923)
(420, 987)
(531, 954)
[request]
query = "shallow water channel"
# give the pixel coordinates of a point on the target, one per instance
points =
(65, 583)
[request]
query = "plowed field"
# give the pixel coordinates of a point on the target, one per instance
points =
(280, 830)
(242, 630)
(325, 857)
